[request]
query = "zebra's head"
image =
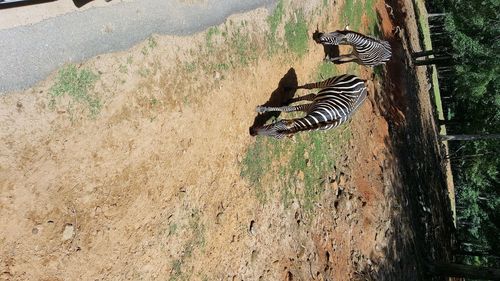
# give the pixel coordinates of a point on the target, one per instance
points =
(277, 129)
(332, 38)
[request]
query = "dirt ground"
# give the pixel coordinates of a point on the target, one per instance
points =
(151, 188)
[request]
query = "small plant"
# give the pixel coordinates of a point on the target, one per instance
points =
(76, 83)
(152, 42)
(221, 66)
(241, 43)
(172, 229)
(190, 67)
(153, 101)
(176, 270)
(123, 69)
(197, 240)
(144, 72)
(212, 31)
(129, 60)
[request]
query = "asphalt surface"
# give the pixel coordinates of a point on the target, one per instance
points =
(30, 53)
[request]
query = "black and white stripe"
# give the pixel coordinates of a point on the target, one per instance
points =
(335, 103)
(367, 50)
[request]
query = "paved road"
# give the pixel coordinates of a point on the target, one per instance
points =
(30, 53)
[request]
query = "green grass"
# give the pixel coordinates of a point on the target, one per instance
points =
(152, 42)
(325, 70)
(273, 45)
(123, 69)
(296, 34)
(77, 84)
(196, 241)
(241, 44)
(238, 49)
(176, 270)
(190, 66)
(144, 72)
(256, 163)
(130, 60)
(353, 10)
(212, 31)
(275, 18)
(371, 14)
(309, 160)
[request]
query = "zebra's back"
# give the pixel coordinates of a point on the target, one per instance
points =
(337, 102)
(371, 51)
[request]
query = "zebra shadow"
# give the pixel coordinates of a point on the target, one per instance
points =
(279, 97)
(331, 51)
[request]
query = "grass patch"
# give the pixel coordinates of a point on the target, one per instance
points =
(123, 69)
(212, 31)
(241, 44)
(197, 240)
(233, 48)
(76, 83)
(378, 70)
(176, 270)
(353, 10)
(152, 43)
(302, 165)
(144, 72)
(190, 67)
(325, 70)
(353, 68)
(273, 21)
(275, 18)
(296, 34)
(256, 163)
(371, 14)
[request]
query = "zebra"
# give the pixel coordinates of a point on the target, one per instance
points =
(367, 50)
(339, 97)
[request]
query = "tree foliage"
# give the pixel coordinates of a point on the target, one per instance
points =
(473, 27)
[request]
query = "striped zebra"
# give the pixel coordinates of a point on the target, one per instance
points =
(367, 50)
(337, 100)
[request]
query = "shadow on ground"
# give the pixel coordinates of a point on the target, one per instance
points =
(421, 216)
(281, 96)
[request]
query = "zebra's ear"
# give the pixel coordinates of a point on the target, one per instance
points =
(346, 27)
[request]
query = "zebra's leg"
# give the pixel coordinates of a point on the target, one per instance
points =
(345, 58)
(302, 107)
